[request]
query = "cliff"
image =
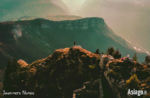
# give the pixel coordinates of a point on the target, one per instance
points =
(33, 39)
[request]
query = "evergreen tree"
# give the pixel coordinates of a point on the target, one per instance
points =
(110, 51)
(135, 57)
(97, 51)
(11, 78)
(147, 59)
(8, 69)
(16, 66)
(8, 76)
(133, 82)
(117, 54)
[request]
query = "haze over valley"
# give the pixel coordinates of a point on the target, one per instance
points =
(129, 19)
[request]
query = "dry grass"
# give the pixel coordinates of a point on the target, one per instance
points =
(66, 51)
(60, 54)
(36, 63)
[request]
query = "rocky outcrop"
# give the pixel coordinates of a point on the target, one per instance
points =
(89, 90)
(22, 63)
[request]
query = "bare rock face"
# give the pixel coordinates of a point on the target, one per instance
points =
(22, 63)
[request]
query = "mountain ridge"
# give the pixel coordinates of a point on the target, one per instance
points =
(34, 39)
(48, 17)
(38, 8)
(128, 18)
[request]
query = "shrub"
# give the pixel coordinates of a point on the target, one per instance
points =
(133, 82)
(91, 66)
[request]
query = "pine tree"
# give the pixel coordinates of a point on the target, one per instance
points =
(133, 82)
(8, 69)
(16, 66)
(117, 54)
(8, 76)
(11, 78)
(97, 51)
(110, 51)
(135, 57)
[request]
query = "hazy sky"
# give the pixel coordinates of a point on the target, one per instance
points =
(74, 5)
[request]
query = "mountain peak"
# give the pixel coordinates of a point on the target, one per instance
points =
(78, 49)
(75, 53)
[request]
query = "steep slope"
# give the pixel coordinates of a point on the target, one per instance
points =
(37, 8)
(128, 18)
(34, 39)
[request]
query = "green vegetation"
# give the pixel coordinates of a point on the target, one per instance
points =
(62, 73)
(133, 82)
(91, 66)
(135, 57)
(110, 51)
(66, 70)
(124, 70)
(11, 75)
(97, 51)
(114, 75)
(117, 54)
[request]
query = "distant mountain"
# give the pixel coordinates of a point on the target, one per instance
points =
(49, 17)
(34, 39)
(36, 8)
(128, 18)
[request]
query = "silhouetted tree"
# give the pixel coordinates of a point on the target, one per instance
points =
(147, 59)
(74, 43)
(110, 51)
(117, 54)
(135, 57)
(12, 73)
(16, 66)
(8, 76)
(97, 51)
(102, 53)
